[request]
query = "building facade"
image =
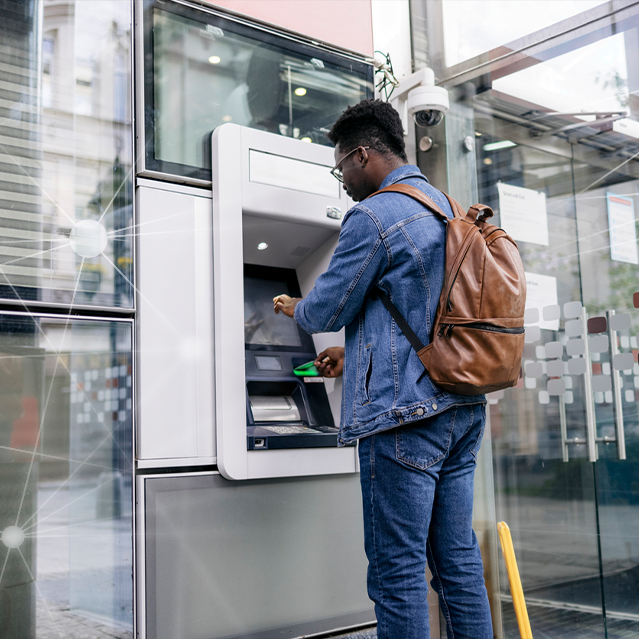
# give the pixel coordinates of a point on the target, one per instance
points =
(114, 517)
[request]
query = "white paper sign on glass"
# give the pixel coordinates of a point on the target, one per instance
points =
(523, 213)
(623, 233)
(541, 292)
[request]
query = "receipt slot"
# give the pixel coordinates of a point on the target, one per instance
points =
(276, 220)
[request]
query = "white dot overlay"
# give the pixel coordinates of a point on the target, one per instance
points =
(12, 537)
(89, 238)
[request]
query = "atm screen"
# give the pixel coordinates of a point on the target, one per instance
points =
(262, 327)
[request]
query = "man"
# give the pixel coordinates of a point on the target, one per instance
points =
(417, 443)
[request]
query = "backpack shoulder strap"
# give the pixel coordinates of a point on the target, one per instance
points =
(426, 201)
(476, 211)
(410, 334)
(416, 194)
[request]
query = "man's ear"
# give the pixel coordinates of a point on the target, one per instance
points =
(363, 156)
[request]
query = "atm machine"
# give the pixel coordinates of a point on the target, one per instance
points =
(276, 218)
(218, 384)
(248, 514)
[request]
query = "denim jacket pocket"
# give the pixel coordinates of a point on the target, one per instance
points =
(365, 374)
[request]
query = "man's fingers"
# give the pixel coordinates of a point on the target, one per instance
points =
(322, 363)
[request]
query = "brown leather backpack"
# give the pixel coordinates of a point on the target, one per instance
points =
(478, 336)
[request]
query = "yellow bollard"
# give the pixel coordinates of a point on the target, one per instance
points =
(515, 582)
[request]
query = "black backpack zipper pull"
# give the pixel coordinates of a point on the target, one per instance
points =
(450, 330)
(441, 330)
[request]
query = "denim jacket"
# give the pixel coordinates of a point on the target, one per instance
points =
(390, 241)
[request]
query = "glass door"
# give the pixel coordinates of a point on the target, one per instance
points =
(556, 147)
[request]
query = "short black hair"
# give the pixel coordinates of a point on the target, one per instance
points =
(371, 123)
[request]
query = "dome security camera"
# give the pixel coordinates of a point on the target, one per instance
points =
(427, 104)
(418, 96)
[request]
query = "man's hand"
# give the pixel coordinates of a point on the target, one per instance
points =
(286, 304)
(330, 363)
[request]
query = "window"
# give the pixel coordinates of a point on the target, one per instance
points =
(66, 469)
(48, 61)
(65, 168)
(473, 28)
(202, 70)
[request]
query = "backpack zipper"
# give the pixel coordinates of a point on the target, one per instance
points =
(481, 326)
(493, 231)
(449, 306)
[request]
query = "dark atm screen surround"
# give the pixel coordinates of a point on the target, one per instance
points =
(283, 410)
(263, 329)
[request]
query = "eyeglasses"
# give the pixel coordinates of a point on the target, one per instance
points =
(336, 172)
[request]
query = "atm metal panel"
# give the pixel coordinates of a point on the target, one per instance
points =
(243, 209)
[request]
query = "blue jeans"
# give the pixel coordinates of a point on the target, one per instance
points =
(417, 489)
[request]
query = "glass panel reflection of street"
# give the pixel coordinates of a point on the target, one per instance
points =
(65, 472)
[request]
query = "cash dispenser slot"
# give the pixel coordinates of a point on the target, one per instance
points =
(274, 409)
(276, 401)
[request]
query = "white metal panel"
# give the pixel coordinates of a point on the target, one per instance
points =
(228, 285)
(301, 462)
(276, 202)
(204, 326)
(262, 559)
(174, 301)
(291, 173)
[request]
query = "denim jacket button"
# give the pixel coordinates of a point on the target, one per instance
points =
(434, 406)
(420, 411)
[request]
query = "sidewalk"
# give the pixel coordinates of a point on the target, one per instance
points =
(55, 621)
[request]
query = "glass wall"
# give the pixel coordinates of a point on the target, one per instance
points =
(202, 70)
(553, 121)
(472, 28)
(66, 402)
(66, 476)
(66, 153)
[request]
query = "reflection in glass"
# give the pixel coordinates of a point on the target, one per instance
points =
(65, 472)
(66, 155)
(556, 506)
(594, 78)
(574, 522)
(229, 72)
(473, 28)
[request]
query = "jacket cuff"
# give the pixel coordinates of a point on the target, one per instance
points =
(299, 317)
